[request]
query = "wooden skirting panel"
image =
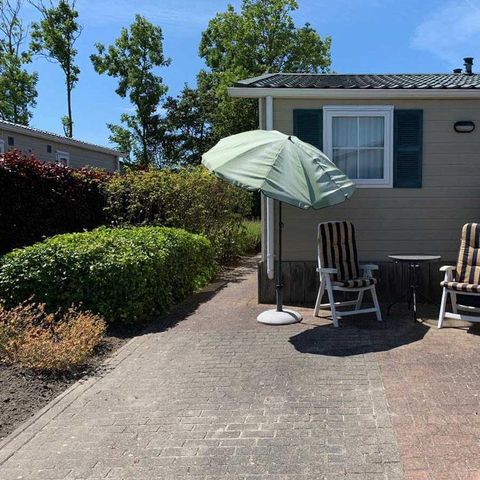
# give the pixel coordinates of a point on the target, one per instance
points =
(301, 282)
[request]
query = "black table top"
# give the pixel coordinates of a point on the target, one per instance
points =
(415, 258)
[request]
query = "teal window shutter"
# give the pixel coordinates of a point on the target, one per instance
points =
(308, 126)
(407, 153)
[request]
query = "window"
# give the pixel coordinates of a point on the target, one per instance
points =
(11, 141)
(359, 140)
(2, 146)
(63, 158)
(49, 149)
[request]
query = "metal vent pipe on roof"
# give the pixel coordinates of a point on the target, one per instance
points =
(468, 65)
(457, 70)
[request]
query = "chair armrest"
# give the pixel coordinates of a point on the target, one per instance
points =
(327, 270)
(447, 268)
(368, 266)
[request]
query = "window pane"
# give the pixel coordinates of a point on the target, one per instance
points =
(346, 161)
(344, 131)
(371, 163)
(371, 132)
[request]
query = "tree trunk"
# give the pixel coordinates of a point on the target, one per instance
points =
(145, 161)
(69, 132)
(69, 106)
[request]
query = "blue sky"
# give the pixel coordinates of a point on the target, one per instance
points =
(369, 36)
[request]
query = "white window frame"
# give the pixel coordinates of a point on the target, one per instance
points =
(62, 154)
(2, 146)
(385, 111)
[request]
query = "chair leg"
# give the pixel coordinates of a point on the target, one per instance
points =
(453, 299)
(359, 300)
(378, 312)
(331, 301)
(443, 307)
(321, 291)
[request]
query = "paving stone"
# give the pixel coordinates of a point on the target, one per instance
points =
(218, 396)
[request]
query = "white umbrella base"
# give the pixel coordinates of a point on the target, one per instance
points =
(274, 317)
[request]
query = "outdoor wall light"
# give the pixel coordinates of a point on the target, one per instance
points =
(466, 126)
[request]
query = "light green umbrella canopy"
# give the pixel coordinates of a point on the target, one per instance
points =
(280, 166)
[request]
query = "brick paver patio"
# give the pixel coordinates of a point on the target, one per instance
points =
(218, 396)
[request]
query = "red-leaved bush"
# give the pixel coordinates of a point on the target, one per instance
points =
(38, 199)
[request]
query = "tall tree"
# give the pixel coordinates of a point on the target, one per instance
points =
(261, 38)
(17, 86)
(133, 60)
(186, 131)
(54, 37)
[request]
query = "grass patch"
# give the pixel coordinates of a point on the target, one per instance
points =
(251, 236)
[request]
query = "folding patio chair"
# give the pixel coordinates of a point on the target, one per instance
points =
(463, 279)
(339, 271)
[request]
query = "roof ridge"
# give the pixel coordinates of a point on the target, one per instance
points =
(267, 75)
(384, 81)
(61, 138)
(256, 79)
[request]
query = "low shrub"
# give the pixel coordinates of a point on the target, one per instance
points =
(38, 200)
(35, 339)
(123, 274)
(192, 199)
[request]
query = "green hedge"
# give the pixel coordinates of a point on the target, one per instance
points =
(191, 198)
(124, 274)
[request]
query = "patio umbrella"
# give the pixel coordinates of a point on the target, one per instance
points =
(286, 169)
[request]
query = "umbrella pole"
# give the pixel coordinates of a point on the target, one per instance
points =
(279, 286)
(279, 316)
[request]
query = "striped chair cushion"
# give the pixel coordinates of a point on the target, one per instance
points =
(468, 265)
(356, 283)
(462, 287)
(337, 249)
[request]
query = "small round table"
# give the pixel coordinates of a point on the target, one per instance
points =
(414, 263)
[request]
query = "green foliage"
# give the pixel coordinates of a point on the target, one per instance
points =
(186, 129)
(123, 139)
(132, 60)
(192, 199)
(125, 274)
(252, 236)
(18, 91)
(261, 38)
(17, 86)
(54, 37)
(229, 115)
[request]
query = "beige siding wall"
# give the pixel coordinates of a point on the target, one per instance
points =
(79, 157)
(389, 220)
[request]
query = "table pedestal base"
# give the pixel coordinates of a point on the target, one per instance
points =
(412, 293)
